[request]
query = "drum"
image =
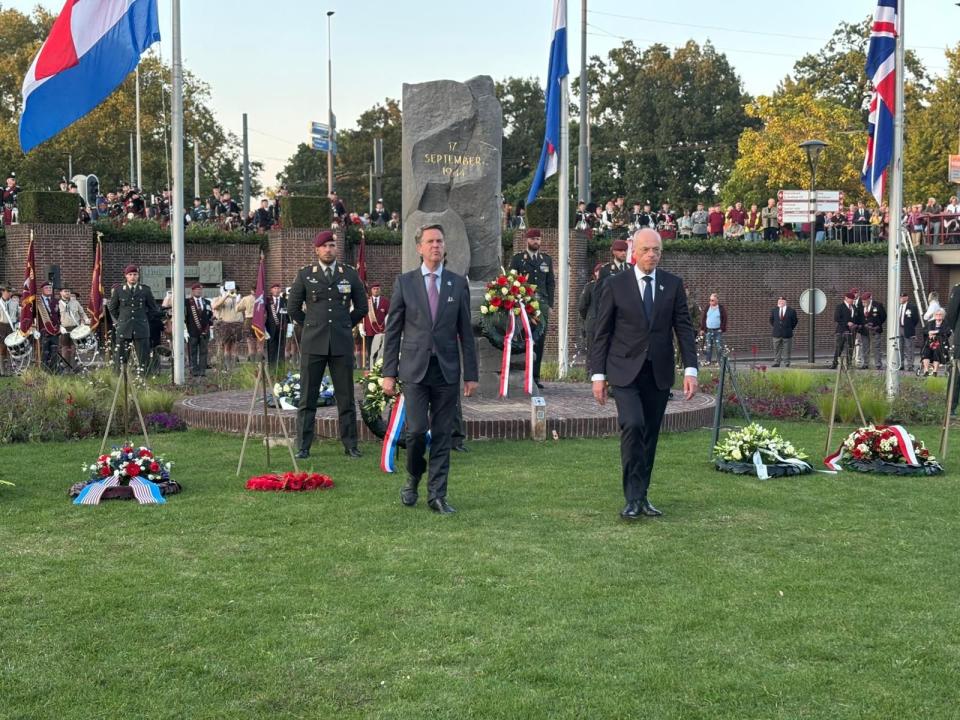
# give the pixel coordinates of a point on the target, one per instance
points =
(17, 345)
(79, 332)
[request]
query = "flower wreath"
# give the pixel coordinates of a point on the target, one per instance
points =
(511, 293)
(290, 482)
(126, 472)
(375, 402)
(286, 393)
(755, 450)
(884, 449)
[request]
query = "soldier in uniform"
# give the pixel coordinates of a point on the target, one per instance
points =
(619, 262)
(538, 267)
(328, 300)
(131, 305)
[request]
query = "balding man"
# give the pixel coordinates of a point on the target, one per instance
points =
(632, 350)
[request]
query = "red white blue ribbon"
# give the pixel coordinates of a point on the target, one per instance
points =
(91, 494)
(904, 445)
(388, 453)
(507, 351)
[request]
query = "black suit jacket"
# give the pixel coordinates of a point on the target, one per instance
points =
(623, 339)
(198, 321)
(843, 315)
(412, 336)
(910, 320)
(277, 328)
(875, 318)
(783, 328)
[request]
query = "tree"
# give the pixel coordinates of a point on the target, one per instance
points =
(664, 126)
(933, 132)
(99, 142)
(305, 172)
(769, 158)
(355, 155)
(524, 120)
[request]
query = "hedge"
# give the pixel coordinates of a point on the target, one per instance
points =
(599, 245)
(34, 206)
(305, 211)
(146, 231)
(378, 235)
(543, 213)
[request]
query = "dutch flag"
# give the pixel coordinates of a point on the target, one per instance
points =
(93, 45)
(550, 155)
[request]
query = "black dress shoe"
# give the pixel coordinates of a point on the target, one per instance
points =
(538, 384)
(460, 448)
(352, 452)
(649, 510)
(439, 505)
(302, 454)
(408, 493)
(631, 511)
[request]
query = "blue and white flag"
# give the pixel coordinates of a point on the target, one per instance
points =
(550, 155)
(93, 45)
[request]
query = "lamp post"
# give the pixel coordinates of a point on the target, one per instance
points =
(329, 105)
(812, 148)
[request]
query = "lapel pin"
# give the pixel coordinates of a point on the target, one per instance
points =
(449, 299)
(449, 284)
(660, 286)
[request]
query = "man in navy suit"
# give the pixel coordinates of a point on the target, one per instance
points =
(783, 320)
(638, 313)
(908, 316)
(427, 330)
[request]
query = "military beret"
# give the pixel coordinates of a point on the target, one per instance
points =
(323, 238)
(867, 296)
(375, 285)
(532, 233)
(46, 284)
(196, 286)
(850, 296)
(130, 269)
(619, 245)
(854, 290)
(275, 285)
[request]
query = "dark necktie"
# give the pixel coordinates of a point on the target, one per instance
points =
(329, 274)
(433, 295)
(648, 297)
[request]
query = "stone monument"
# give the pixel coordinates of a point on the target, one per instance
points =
(452, 137)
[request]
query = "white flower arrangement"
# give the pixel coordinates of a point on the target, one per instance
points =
(742, 445)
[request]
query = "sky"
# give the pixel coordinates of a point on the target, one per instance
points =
(270, 59)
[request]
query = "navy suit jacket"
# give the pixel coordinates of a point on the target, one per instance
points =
(623, 339)
(412, 336)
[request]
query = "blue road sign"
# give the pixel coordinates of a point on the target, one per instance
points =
(317, 128)
(324, 145)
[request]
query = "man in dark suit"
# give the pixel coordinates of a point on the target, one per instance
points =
(783, 320)
(846, 317)
(638, 313)
(132, 305)
(952, 321)
(908, 316)
(429, 322)
(199, 317)
(874, 316)
(276, 325)
(328, 299)
(538, 267)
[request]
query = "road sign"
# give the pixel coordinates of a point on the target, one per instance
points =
(317, 128)
(794, 206)
(804, 195)
(953, 170)
(820, 301)
(324, 145)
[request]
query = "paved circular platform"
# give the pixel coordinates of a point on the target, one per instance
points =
(571, 412)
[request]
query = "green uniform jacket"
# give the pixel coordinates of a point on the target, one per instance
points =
(327, 311)
(131, 308)
(539, 271)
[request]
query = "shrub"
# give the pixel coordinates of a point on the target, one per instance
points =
(305, 211)
(600, 245)
(146, 231)
(374, 235)
(34, 206)
(153, 400)
(544, 211)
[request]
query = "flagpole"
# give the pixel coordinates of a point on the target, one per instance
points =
(176, 211)
(894, 222)
(138, 181)
(563, 228)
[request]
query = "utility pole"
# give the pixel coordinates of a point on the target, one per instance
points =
(330, 105)
(196, 168)
(583, 152)
(246, 171)
(378, 166)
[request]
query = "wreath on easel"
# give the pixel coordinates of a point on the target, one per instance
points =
(510, 293)
(376, 407)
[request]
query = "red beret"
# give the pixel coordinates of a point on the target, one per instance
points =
(867, 296)
(619, 245)
(196, 286)
(375, 285)
(850, 296)
(275, 285)
(532, 233)
(130, 269)
(46, 284)
(854, 290)
(323, 238)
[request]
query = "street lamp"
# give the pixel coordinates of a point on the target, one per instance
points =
(812, 148)
(329, 106)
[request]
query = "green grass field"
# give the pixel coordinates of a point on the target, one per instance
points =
(813, 597)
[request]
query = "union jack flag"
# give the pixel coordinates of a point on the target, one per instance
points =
(881, 66)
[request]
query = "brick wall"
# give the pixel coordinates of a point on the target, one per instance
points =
(69, 246)
(240, 262)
